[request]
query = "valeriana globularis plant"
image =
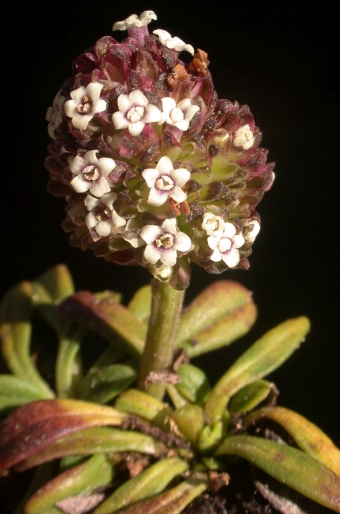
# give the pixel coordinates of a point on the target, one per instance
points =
(156, 170)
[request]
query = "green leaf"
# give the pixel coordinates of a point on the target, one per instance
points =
(263, 357)
(173, 501)
(68, 371)
(96, 472)
(142, 404)
(307, 436)
(16, 391)
(250, 396)
(94, 440)
(288, 465)
(210, 437)
(107, 318)
(222, 313)
(148, 483)
(190, 421)
(107, 382)
(140, 305)
(34, 426)
(15, 333)
(194, 385)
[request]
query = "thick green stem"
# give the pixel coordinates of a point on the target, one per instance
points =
(159, 347)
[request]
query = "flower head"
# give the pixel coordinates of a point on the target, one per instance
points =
(155, 168)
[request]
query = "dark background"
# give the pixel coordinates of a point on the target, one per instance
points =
(280, 60)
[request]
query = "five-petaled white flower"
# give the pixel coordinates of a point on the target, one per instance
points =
(225, 245)
(134, 112)
(250, 229)
(174, 43)
(135, 21)
(84, 105)
(212, 224)
(244, 138)
(54, 114)
(102, 217)
(164, 181)
(178, 115)
(91, 173)
(163, 243)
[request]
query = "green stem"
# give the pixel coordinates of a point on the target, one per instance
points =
(166, 308)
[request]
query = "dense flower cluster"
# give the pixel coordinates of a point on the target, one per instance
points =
(155, 168)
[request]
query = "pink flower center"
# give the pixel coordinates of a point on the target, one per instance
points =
(165, 241)
(164, 183)
(86, 105)
(91, 173)
(135, 114)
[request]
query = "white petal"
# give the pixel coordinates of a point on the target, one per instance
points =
(163, 35)
(105, 164)
(150, 176)
(91, 157)
(119, 120)
(76, 164)
(178, 195)
(70, 108)
(168, 104)
(150, 233)
(93, 90)
(90, 220)
(91, 202)
(216, 256)
(79, 184)
(165, 166)
(231, 258)
(182, 242)
(124, 103)
(78, 94)
(117, 220)
(170, 226)
(180, 176)
(108, 199)
(99, 106)
(80, 122)
(136, 128)
(229, 230)
(157, 197)
(152, 114)
(181, 125)
(190, 113)
(213, 241)
(151, 254)
(103, 228)
(169, 257)
(238, 241)
(137, 98)
(100, 187)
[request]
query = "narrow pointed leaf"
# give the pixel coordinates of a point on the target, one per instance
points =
(95, 440)
(68, 365)
(288, 465)
(194, 385)
(142, 404)
(140, 305)
(307, 436)
(173, 501)
(219, 300)
(16, 391)
(96, 472)
(108, 318)
(250, 396)
(108, 382)
(148, 483)
(36, 425)
(15, 335)
(263, 357)
(58, 282)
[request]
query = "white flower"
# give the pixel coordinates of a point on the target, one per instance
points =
(165, 181)
(225, 246)
(212, 224)
(178, 115)
(91, 172)
(174, 43)
(134, 112)
(250, 230)
(54, 114)
(84, 105)
(102, 217)
(164, 242)
(244, 137)
(135, 21)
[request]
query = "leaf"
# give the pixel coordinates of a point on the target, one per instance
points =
(148, 483)
(288, 465)
(142, 404)
(190, 421)
(107, 318)
(107, 382)
(263, 357)
(307, 436)
(194, 385)
(96, 472)
(16, 391)
(68, 372)
(140, 305)
(223, 312)
(173, 501)
(15, 334)
(250, 396)
(95, 440)
(36, 425)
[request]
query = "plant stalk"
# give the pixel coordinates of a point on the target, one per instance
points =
(166, 308)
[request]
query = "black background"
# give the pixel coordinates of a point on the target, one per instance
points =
(277, 57)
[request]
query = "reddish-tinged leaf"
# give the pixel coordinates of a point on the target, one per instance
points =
(36, 425)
